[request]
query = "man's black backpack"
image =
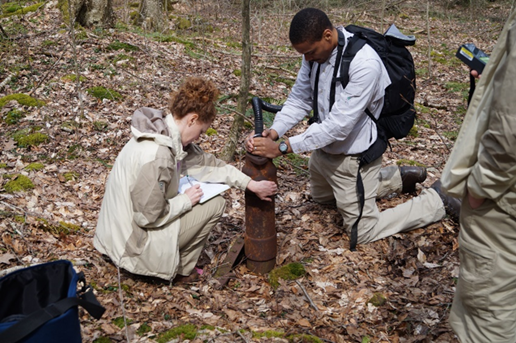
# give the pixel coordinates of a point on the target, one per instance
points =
(398, 113)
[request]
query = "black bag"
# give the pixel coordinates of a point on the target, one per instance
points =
(398, 113)
(39, 304)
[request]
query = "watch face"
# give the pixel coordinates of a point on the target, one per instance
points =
(283, 147)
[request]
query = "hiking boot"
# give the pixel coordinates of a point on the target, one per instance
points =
(451, 204)
(410, 176)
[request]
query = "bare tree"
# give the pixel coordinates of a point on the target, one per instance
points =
(238, 121)
(151, 15)
(90, 13)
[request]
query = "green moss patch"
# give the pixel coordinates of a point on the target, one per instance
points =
(119, 321)
(10, 7)
(104, 93)
(102, 340)
(22, 99)
(13, 117)
(18, 183)
(101, 126)
(35, 166)
(405, 162)
(15, 9)
(183, 24)
(73, 78)
(290, 271)
(211, 131)
(71, 176)
(271, 334)
(27, 138)
(187, 331)
(378, 299)
(60, 229)
(117, 45)
(143, 329)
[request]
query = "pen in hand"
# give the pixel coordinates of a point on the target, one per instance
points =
(190, 182)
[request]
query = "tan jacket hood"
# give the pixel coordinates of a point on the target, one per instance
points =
(150, 123)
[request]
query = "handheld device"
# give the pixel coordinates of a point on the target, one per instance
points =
(475, 58)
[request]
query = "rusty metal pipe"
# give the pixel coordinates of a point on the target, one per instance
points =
(260, 242)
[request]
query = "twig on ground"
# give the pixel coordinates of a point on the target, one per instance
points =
(122, 304)
(2, 29)
(48, 72)
(242, 336)
(307, 296)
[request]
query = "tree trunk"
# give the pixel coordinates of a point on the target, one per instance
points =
(151, 15)
(245, 79)
(93, 13)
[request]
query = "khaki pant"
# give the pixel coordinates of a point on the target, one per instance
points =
(195, 228)
(333, 180)
(484, 307)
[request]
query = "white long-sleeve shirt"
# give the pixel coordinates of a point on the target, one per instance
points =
(346, 129)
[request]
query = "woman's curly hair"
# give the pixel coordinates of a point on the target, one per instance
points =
(195, 95)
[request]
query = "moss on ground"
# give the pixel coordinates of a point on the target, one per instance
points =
(13, 117)
(187, 331)
(71, 176)
(378, 299)
(117, 45)
(290, 271)
(34, 166)
(15, 9)
(18, 183)
(60, 229)
(211, 131)
(73, 78)
(22, 99)
(104, 93)
(405, 162)
(28, 138)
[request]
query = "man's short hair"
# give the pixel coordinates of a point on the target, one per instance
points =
(308, 25)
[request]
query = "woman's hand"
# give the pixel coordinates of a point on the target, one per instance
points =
(195, 194)
(263, 189)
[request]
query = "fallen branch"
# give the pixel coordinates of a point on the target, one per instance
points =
(5, 81)
(307, 296)
(240, 334)
(2, 29)
(48, 72)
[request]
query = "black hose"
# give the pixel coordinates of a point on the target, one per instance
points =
(258, 106)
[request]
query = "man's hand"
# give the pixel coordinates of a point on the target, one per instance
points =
(263, 189)
(266, 147)
(475, 74)
(249, 142)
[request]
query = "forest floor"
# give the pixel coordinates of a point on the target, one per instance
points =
(412, 274)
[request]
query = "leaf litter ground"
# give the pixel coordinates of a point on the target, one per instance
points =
(413, 274)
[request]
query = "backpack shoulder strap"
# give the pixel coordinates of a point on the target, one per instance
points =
(340, 49)
(354, 45)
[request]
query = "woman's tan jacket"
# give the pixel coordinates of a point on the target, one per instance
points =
(138, 225)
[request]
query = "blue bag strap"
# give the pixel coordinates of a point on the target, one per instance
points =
(32, 322)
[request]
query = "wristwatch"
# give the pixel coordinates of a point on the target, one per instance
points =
(283, 147)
